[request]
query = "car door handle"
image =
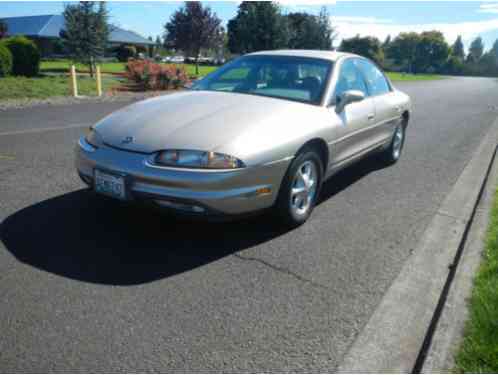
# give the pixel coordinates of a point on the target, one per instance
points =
(371, 116)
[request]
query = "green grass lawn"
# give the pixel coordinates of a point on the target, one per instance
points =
(479, 350)
(62, 66)
(412, 77)
(47, 86)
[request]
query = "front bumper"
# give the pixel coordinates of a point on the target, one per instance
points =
(226, 192)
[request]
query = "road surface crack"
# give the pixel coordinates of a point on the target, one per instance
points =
(282, 270)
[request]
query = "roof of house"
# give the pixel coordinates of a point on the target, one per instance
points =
(50, 26)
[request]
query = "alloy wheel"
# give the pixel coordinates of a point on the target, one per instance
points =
(303, 188)
(398, 142)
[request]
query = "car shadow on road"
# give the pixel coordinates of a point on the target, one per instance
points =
(349, 176)
(84, 237)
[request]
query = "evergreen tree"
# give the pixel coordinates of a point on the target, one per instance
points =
(494, 50)
(387, 42)
(86, 32)
(476, 50)
(457, 49)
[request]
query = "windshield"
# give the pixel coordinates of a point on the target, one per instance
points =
(293, 78)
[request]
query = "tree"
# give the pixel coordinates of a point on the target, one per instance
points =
(306, 32)
(258, 25)
(328, 32)
(192, 28)
(367, 46)
(476, 50)
(3, 29)
(431, 52)
(488, 63)
(386, 43)
(150, 48)
(494, 50)
(454, 66)
(159, 45)
(457, 49)
(403, 49)
(86, 32)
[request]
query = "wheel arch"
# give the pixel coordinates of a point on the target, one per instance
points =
(321, 147)
(406, 117)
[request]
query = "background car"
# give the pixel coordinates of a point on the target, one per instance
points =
(177, 59)
(263, 131)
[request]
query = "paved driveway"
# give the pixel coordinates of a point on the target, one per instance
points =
(89, 285)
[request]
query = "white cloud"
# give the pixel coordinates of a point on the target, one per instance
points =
(310, 3)
(488, 8)
(311, 6)
(356, 20)
(381, 28)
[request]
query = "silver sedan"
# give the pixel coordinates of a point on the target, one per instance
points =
(265, 130)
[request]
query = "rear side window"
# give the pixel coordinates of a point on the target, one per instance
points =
(376, 81)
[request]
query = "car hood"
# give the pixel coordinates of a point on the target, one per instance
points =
(196, 120)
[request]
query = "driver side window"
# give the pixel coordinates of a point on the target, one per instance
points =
(349, 79)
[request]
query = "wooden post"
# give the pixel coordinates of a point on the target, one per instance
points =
(72, 80)
(99, 82)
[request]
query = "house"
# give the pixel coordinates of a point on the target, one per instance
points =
(45, 31)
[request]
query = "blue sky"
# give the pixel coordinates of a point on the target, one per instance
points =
(468, 18)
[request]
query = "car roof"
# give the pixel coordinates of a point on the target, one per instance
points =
(326, 55)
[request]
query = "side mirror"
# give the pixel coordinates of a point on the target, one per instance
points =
(348, 97)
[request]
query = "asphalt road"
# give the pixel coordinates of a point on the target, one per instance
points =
(88, 285)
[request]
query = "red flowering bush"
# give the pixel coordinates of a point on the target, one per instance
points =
(148, 75)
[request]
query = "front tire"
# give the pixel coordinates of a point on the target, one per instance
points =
(300, 188)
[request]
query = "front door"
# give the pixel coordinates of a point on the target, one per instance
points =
(357, 120)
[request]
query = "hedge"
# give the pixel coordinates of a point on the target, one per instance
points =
(147, 75)
(25, 56)
(5, 61)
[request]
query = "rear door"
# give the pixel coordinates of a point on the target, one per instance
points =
(388, 111)
(352, 137)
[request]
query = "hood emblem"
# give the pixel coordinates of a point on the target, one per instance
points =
(127, 140)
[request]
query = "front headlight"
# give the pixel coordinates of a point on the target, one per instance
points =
(94, 138)
(197, 159)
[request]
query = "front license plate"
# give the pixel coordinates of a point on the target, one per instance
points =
(110, 184)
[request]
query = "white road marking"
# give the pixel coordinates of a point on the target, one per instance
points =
(41, 130)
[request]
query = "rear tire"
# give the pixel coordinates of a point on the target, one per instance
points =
(392, 153)
(300, 188)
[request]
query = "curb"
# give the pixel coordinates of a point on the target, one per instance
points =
(400, 329)
(449, 330)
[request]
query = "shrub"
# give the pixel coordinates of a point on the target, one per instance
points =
(25, 56)
(151, 76)
(124, 53)
(5, 61)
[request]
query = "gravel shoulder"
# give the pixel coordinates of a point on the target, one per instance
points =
(69, 100)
